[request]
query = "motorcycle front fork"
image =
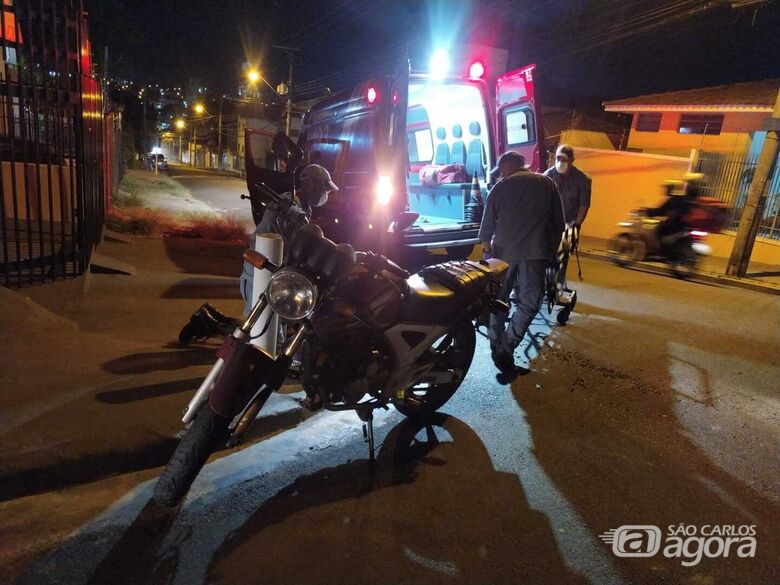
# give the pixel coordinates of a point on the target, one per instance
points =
(241, 334)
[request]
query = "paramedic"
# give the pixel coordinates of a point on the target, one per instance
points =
(522, 225)
(573, 185)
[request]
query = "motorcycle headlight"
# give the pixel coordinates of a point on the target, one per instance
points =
(291, 295)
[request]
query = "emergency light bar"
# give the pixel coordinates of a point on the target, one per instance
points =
(476, 70)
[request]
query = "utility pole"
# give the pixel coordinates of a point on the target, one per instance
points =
(290, 52)
(756, 198)
(146, 132)
(219, 135)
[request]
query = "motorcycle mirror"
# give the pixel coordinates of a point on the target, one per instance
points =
(287, 150)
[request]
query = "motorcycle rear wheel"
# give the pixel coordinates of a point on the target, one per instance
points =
(206, 432)
(424, 399)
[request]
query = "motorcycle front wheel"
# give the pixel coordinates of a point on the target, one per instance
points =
(452, 355)
(626, 249)
(207, 431)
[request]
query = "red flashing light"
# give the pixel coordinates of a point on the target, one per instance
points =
(477, 70)
(372, 95)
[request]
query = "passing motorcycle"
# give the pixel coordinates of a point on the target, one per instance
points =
(637, 241)
(368, 335)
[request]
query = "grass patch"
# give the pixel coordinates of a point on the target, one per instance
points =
(136, 186)
(142, 221)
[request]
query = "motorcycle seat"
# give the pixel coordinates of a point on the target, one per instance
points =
(427, 302)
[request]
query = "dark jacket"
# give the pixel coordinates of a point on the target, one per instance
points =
(574, 188)
(523, 218)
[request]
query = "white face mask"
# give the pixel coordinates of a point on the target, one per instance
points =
(561, 166)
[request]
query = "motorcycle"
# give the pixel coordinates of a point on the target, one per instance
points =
(367, 333)
(637, 241)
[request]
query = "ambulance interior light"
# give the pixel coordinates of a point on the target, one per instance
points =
(439, 64)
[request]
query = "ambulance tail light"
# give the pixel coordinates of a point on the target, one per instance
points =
(477, 70)
(384, 190)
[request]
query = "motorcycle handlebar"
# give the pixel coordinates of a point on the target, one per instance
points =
(378, 263)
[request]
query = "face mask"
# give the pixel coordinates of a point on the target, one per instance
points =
(561, 167)
(323, 199)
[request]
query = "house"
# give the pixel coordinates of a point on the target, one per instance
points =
(725, 118)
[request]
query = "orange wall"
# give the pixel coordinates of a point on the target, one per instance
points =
(43, 204)
(624, 181)
(735, 135)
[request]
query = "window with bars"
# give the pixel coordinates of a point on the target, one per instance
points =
(648, 122)
(700, 124)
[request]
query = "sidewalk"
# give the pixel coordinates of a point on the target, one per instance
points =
(93, 377)
(760, 277)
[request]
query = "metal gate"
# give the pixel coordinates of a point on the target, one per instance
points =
(53, 141)
(729, 177)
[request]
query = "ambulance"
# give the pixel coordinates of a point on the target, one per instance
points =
(410, 151)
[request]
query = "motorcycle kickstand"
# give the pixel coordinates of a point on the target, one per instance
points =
(368, 436)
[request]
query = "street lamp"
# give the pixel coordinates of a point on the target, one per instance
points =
(199, 109)
(253, 75)
(180, 125)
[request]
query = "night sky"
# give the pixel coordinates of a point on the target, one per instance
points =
(665, 44)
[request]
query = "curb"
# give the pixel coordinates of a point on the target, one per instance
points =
(709, 277)
(281, 412)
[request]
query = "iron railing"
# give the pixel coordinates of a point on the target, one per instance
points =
(728, 178)
(55, 142)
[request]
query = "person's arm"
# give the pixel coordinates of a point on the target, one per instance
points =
(488, 226)
(585, 190)
(557, 221)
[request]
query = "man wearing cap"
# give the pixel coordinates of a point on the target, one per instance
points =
(315, 185)
(522, 225)
(573, 185)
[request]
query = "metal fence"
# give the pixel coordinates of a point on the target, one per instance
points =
(55, 142)
(729, 177)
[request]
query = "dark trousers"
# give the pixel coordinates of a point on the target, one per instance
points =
(526, 278)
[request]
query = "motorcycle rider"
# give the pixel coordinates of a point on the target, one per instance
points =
(675, 210)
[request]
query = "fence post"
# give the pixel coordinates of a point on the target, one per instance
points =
(693, 161)
(754, 206)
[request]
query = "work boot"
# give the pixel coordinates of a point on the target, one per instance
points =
(225, 325)
(202, 325)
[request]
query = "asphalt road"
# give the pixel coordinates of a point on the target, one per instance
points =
(221, 192)
(657, 405)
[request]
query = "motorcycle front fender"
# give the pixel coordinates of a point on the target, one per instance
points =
(247, 369)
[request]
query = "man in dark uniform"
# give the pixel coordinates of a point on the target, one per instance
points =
(573, 185)
(522, 225)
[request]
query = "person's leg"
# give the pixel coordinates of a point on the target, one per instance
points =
(529, 288)
(498, 320)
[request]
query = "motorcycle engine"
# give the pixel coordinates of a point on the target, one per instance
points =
(348, 374)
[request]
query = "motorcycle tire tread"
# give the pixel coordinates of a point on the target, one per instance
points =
(207, 431)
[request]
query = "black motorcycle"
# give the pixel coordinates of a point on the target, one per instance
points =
(367, 334)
